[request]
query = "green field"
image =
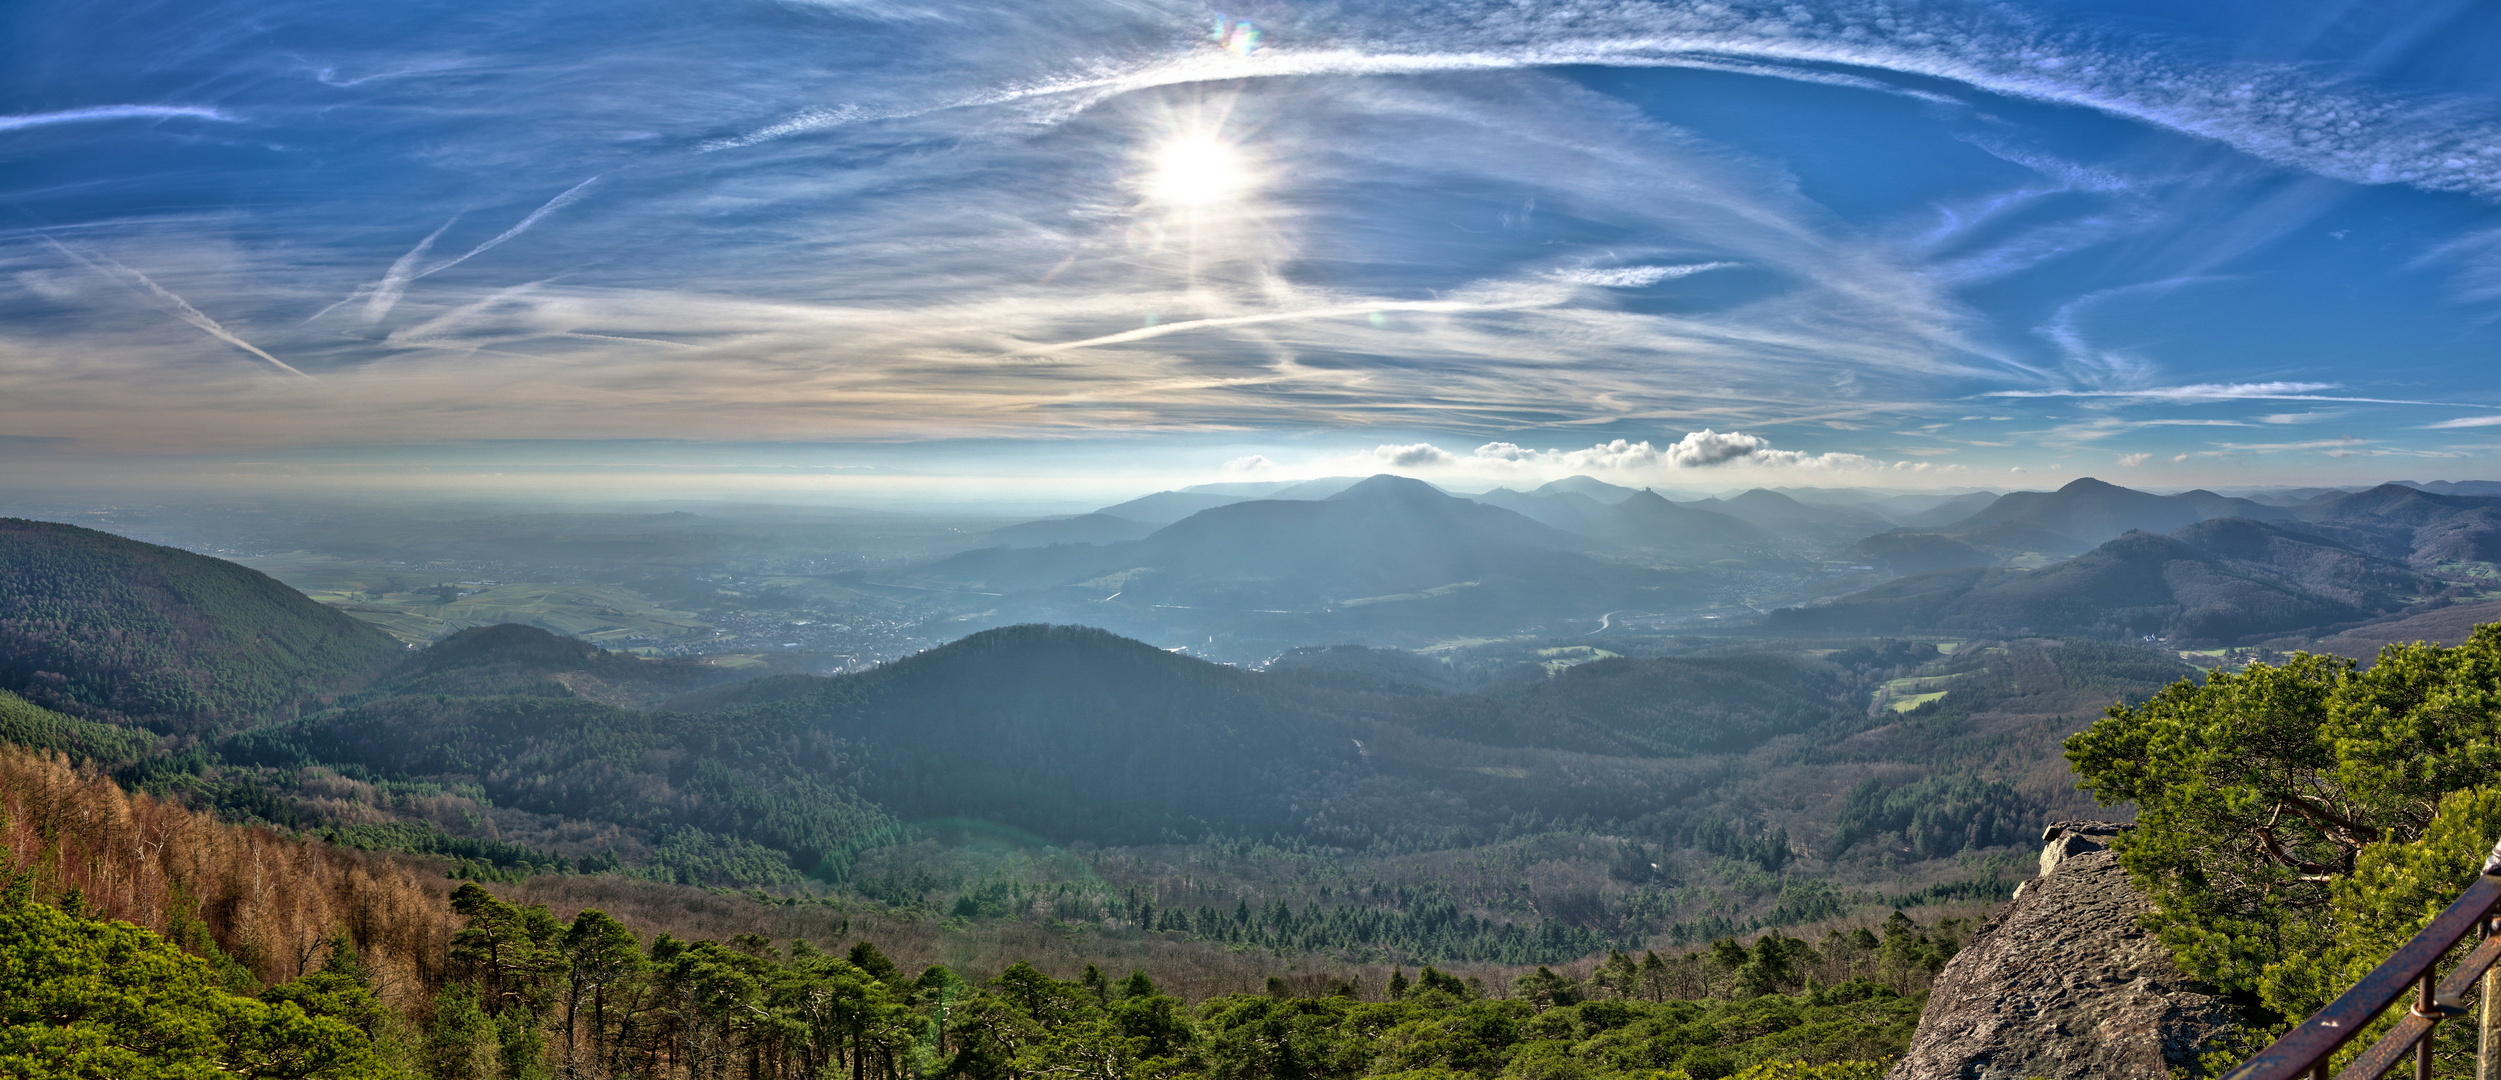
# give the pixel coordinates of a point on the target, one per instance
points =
(1911, 693)
(417, 605)
(1557, 659)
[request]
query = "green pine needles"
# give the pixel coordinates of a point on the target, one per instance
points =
(2298, 822)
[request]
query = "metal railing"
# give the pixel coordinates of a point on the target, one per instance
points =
(2306, 1050)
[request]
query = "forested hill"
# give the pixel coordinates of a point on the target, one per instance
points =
(509, 658)
(1069, 734)
(1077, 732)
(107, 627)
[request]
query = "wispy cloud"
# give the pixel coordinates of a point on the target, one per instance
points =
(1636, 277)
(2199, 393)
(940, 230)
(2282, 113)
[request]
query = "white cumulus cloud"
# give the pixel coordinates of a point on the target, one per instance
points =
(1252, 465)
(1412, 455)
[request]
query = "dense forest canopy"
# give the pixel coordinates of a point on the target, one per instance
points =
(1076, 735)
(529, 995)
(98, 625)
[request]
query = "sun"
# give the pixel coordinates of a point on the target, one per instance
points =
(1197, 171)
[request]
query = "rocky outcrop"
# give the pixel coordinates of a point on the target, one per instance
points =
(2071, 838)
(2064, 984)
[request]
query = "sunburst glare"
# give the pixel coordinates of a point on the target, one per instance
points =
(1198, 170)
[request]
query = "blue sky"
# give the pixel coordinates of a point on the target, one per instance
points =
(870, 246)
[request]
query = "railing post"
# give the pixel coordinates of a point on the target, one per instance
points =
(2487, 1053)
(2426, 1004)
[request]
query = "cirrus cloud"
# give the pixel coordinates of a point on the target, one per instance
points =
(1634, 277)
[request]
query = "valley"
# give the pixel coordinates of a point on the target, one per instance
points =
(1313, 739)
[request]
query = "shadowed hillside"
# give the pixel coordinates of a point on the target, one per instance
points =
(1073, 732)
(2420, 528)
(508, 658)
(2088, 512)
(1388, 554)
(1796, 523)
(102, 626)
(2224, 580)
(1641, 520)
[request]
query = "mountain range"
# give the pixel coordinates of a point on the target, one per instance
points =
(2087, 512)
(1387, 553)
(1395, 556)
(2215, 581)
(1641, 520)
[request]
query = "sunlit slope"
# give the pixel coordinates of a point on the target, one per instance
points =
(104, 626)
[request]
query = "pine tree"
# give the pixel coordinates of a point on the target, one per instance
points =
(599, 953)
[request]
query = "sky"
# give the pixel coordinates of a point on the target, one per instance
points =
(900, 249)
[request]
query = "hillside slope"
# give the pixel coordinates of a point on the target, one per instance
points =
(2219, 580)
(1797, 523)
(2423, 529)
(107, 627)
(1075, 732)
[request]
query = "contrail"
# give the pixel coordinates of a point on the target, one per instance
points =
(1338, 311)
(570, 196)
(182, 308)
(395, 280)
(111, 112)
(386, 293)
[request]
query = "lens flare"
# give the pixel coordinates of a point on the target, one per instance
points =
(1197, 171)
(1236, 36)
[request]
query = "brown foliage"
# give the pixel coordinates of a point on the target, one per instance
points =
(265, 899)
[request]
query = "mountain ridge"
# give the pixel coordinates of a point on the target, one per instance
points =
(106, 627)
(2221, 579)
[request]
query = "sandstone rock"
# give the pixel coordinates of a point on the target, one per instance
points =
(2063, 984)
(2069, 838)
